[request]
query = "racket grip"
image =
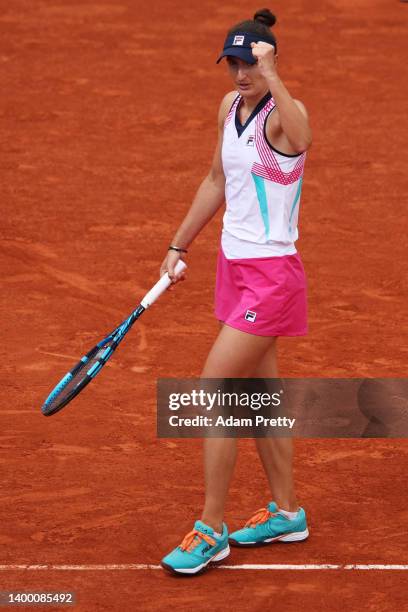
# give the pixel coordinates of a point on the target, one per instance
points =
(161, 285)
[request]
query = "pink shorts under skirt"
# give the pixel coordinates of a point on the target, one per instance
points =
(265, 296)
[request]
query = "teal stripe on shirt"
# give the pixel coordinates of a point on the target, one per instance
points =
(295, 201)
(263, 203)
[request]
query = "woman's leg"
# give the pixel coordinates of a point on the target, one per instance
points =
(276, 453)
(232, 356)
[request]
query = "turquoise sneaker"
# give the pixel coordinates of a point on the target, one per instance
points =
(199, 548)
(268, 525)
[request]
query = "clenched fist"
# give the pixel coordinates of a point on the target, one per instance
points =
(265, 54)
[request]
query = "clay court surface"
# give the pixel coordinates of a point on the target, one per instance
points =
(107, 127)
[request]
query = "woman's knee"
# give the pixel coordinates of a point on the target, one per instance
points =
(234, 354)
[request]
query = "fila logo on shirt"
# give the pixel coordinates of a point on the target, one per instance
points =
(238, 40)
(251, 141)
(250, 315)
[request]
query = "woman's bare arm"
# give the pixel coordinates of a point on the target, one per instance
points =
(208, 199)
(289, 121)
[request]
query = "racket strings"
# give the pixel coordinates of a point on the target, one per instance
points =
(88, 367)
(78, 377)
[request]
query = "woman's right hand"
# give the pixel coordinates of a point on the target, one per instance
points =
(169, 264)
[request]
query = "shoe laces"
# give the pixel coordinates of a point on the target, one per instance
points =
(193, 538)
(260, 516)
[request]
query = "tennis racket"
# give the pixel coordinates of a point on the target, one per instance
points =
(91, 364)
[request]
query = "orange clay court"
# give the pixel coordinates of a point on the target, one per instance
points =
(108, 125)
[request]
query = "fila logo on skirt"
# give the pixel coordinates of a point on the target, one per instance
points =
(250, 315)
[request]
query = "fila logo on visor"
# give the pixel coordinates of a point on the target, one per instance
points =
(238, 40)
(250, 315)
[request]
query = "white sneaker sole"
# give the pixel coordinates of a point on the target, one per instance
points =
(296, 536)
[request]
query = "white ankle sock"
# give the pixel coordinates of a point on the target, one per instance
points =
(290, 515)
(218, 535)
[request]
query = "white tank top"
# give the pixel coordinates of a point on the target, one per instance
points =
(262, 188)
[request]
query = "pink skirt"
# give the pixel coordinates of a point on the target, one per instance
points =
(265, 296)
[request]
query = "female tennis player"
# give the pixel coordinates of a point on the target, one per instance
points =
(261, 289)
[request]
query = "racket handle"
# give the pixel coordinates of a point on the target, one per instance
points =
(161, 285)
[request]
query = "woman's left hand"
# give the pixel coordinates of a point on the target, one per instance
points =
(265, 54)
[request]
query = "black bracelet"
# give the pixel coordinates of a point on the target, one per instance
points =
(178, 249)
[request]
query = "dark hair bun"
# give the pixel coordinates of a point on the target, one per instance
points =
(266, 17)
